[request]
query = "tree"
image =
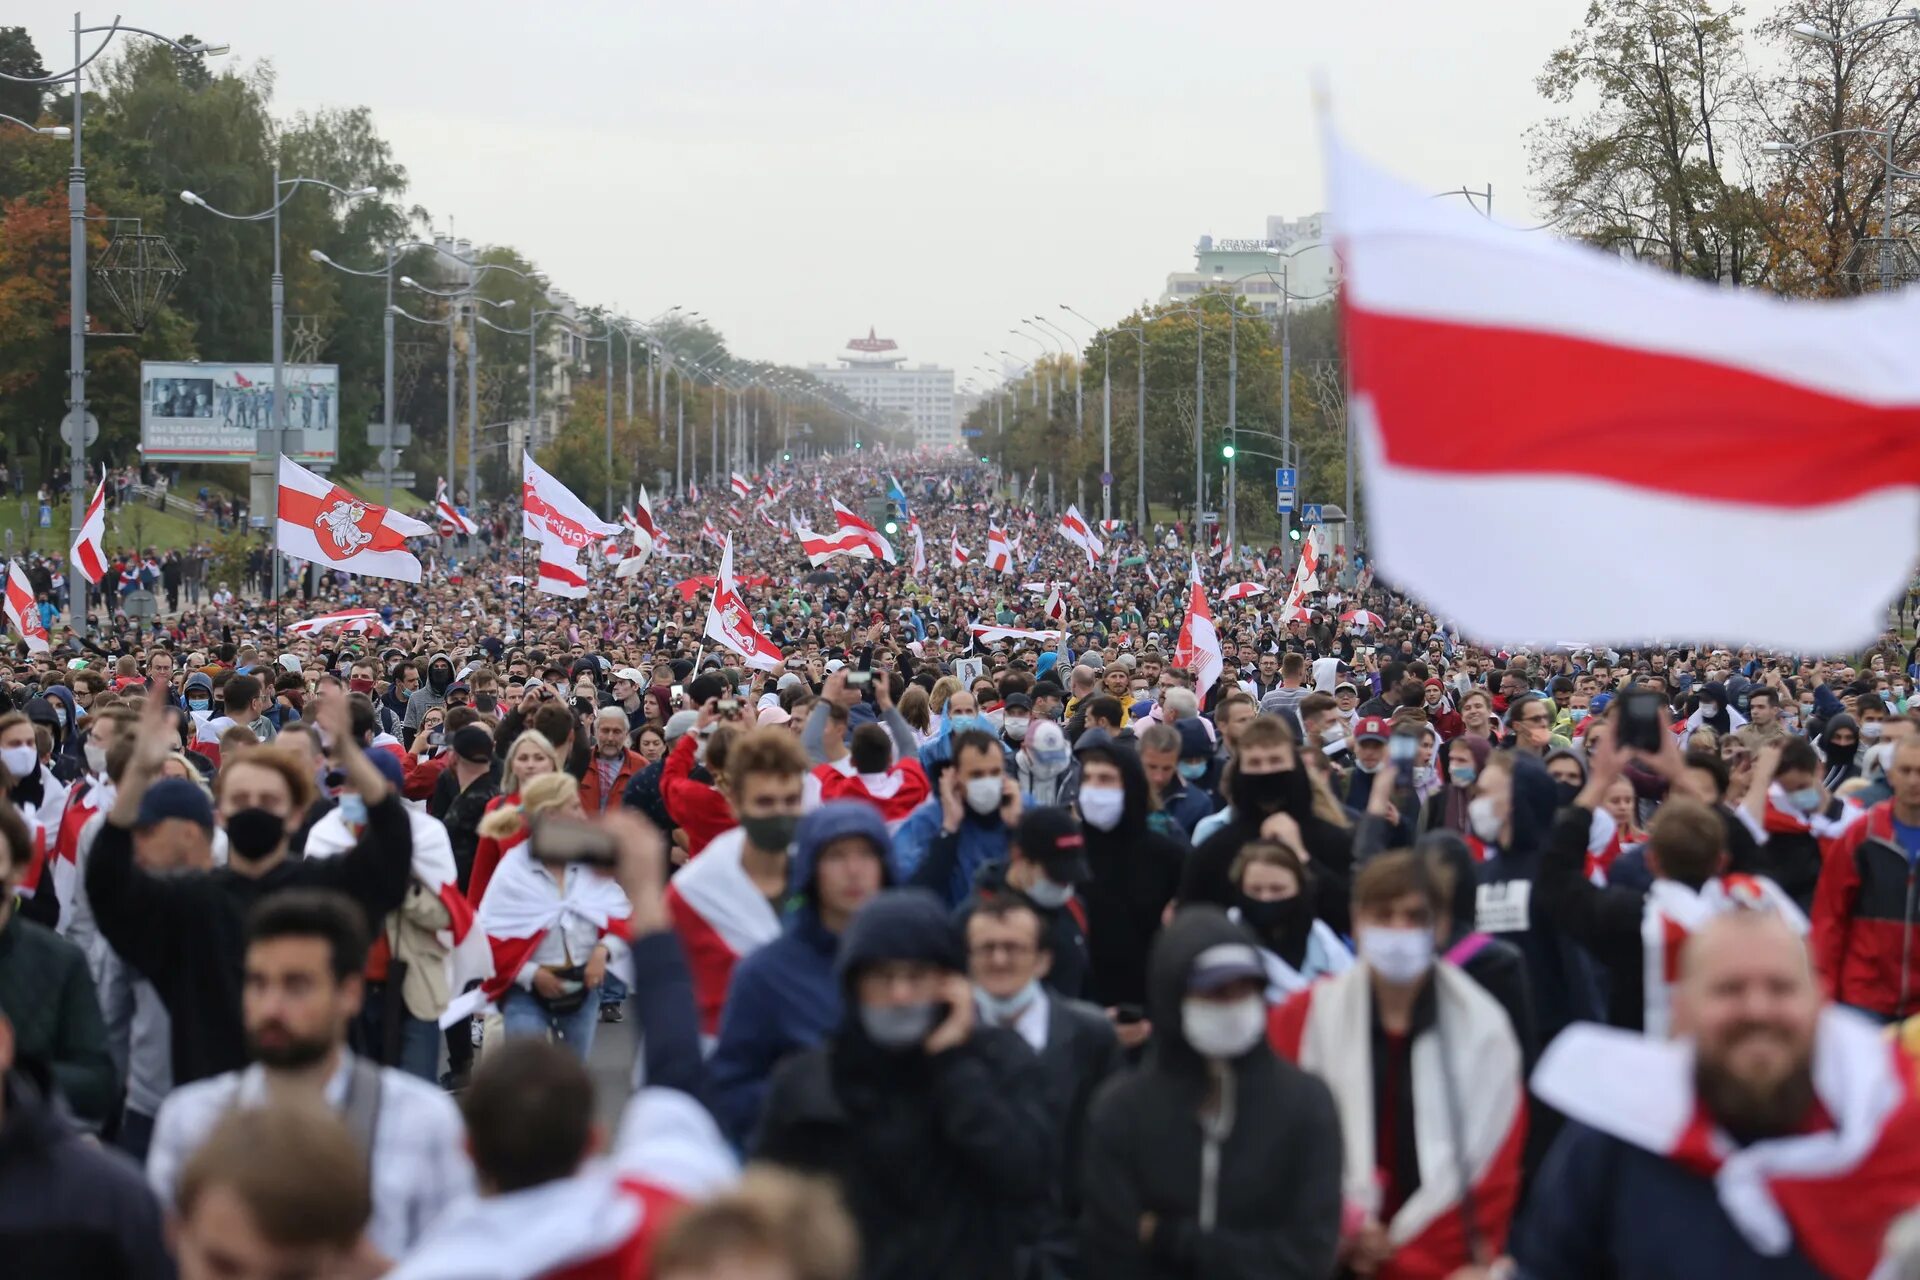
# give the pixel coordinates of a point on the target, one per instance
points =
(1647, 170)
(18, 57)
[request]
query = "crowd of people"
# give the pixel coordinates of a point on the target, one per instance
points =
(1040, 953)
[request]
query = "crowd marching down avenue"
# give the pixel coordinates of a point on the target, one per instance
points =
(834, 853)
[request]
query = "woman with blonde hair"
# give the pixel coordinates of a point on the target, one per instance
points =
(530, 757)
(943, 688)
(914, 709)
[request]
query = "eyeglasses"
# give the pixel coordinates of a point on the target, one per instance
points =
(1011, 950)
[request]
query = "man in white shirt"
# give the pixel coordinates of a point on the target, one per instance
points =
(306, 950)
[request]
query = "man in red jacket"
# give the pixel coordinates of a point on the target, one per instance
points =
(1864, 906)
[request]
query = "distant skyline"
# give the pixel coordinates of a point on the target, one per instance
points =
(800, 172)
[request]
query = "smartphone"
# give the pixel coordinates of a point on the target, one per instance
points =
(678, 693)
(859, 677)
(728, 706)
(1403, 746)
(561, 839)
(1640, 719)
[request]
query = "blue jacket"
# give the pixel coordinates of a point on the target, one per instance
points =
(785, 997)
(1187, 805)
(946, 864)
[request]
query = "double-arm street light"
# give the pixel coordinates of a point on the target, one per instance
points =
(266, 463)
(1106, 421)
(77, 261)
(1889, 169)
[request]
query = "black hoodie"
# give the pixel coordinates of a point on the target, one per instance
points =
(1278, 1185)
(1136, 872)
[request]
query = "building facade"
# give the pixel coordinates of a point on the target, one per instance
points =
(872, 371)
(1294, 250)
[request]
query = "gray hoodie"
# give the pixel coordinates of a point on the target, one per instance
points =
(427, 696)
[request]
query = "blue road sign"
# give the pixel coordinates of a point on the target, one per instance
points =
(1310, 513)
(1285, 504)
(971, 435)
(1285, 478)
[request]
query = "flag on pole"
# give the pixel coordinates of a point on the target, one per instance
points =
(820, 548)
(361, 621)
(959, 554)
(324, 524)
(741, 485)
(1075, 530)
(1198, 649)
(693, 490)
(1111, 527)
(89, 552)
(983, 635)
(999, 558)
(560, 571)
(22, 611)
(708, 533)
(897, 495)
(549, 512)
(452, 519)
(919, 547)
(643, 520)
(882, 549)
(1500, 372)
(729, 623)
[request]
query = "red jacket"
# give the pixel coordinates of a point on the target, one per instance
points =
(488, 852)
(421, 775)
(701, 809)
(591, 797)
(1864, 944)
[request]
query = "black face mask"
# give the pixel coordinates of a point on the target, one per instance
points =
(252, 834)
(1281, 924)
(1256, 795)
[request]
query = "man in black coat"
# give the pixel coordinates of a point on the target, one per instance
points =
(935, 1127)
(1007, 957)
(1215, 1158)
(1136, 870)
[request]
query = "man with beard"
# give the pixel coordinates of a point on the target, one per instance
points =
(306, 949)
(1721, 1153)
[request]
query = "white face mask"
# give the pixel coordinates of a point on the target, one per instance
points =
(1102, 806)
(96, 758)
(1004, 1009)
(1217, 1030)
(1483, 819)
(19, 761)
(1046, 893)
(984, 795)
(1401, 956)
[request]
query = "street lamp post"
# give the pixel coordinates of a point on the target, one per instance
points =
(1890, 171)
(267, 457)
(77, 266)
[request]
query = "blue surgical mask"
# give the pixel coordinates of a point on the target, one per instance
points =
(1463, 775)
(1192, 770)
(1004, 1009)
(353, 809)
(1805, 799)
(197, 704)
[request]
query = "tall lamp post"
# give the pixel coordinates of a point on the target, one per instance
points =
(77, 261)
(1106, 419)
(1889, 171)
(266, 463)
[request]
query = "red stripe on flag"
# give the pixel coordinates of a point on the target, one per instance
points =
(300, 508)
(1480, 400)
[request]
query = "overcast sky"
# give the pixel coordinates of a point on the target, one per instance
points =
(938, 170)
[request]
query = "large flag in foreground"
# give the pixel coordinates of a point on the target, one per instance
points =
(22, 610)
(1522, 378)
(326, 525)
(729, 623)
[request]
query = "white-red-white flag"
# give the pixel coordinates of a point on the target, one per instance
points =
(693, 491)
(1305, 578)
(452, 519)
(708, 533)
(550, 513)
(822, 547)
(325, 524)
(1198, 649)
(985, 634)
(643, 520)
(89, 553)
(882, 549)
(1526, 376)
(1244, 591)
(741, 485)
(361, 621)
(999, 558)
(1056, 606)
(729, 623)
(23, 612)
(1075, 530)
(960, 555)
(561, 573)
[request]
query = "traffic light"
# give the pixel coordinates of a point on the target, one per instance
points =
(1293, 535)
(786, 457)
(1226, 450)
(856, 444)
(983, 457)
(892, 525)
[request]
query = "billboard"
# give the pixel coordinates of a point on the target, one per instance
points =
(201, 412)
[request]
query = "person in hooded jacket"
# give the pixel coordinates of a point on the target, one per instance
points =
(1839, 750)
(1136, 870)
(1043, 763)
(1214, 1160)
(1495, 964)
(431, 693)
(784, 996)
(934, 1127)
(1046, 862)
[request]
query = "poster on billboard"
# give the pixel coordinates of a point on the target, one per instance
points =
(204, 412)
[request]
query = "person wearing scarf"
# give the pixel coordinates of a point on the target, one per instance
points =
(1839, 745)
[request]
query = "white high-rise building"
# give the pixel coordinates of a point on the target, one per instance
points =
(872, 372)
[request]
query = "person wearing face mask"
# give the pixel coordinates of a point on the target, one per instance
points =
(1461, 761)
(1046, 861)
(432, 693)
(1007, 960)
(199, 697)
(1216, 1157)
(1839, 744)
(1425, 1071)
(933, 1124)
(1715, 710)
(1042, 766)
(1136, 869)
(183, 932)
(1273, 897)
(1016, 717)
(726, 902)
(968, 823)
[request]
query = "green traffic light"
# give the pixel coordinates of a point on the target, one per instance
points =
(786, 457)
(856, 444)
(892, 527)
(1226, 451)
(1293, 535)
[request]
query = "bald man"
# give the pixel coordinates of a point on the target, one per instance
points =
(1666, 1166)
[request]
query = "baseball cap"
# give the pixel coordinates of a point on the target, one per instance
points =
(1018, 700)
(1224, 963)
(631, 674)
(1051, 837)
(1347, 685)
(473, 744)
(175, 798)
(1371, 729)
(459, 686)
(772, 715)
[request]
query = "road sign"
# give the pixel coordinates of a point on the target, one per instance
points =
(1106, 478)
(1310, 513)
(377, 434)
(1286, 500)
(389, 459)
(1286, 478)
(972, 434)
(66, 430)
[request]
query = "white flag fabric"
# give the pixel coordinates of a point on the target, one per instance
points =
(999, 558)
(822, 547)
(1522, 377)
(361, 621)
(89, 552)
(322, 523)
(729, 623)
(549, 512)
(1075, 530)
(991, 635)
(452, 519)
(1198, 649)
(560, 571)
